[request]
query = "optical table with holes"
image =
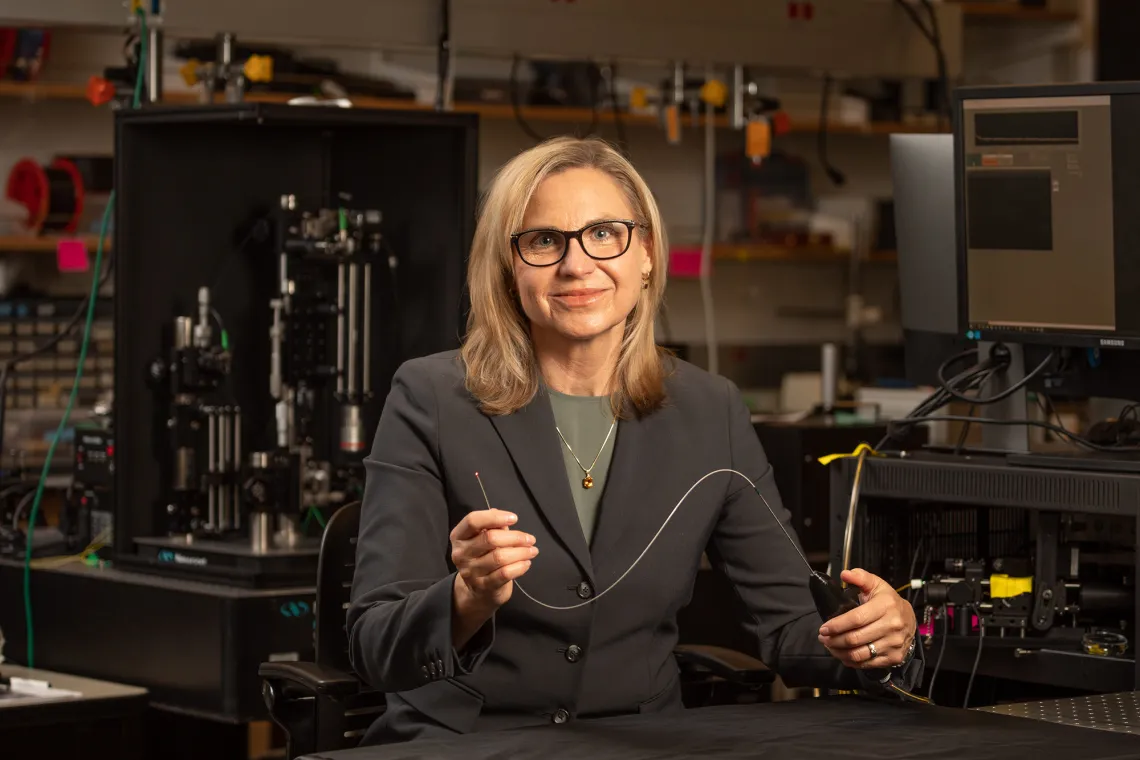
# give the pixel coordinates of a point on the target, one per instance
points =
(831, 728)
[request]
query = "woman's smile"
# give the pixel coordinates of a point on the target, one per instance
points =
(578, 297)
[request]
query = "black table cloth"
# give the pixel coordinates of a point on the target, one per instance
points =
(839, 728)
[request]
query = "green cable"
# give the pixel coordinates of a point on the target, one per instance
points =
(59, 434)
(137, 100)
(79, 372)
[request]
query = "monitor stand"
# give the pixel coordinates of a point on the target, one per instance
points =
(1000, 440)
(1014, 439)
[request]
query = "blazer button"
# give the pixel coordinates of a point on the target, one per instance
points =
(585, 591)
(573, 653)
(560, 716)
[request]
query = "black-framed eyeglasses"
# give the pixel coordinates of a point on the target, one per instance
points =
(600, 240)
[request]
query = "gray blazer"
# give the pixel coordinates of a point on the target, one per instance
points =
(532, 665)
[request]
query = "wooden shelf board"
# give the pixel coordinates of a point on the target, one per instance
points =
(496, 111)
(506, 112)
(44, 244)
(793, 254)
(1012, 11)
(43, 90)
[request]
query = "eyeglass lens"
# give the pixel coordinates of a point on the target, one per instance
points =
(604, 240)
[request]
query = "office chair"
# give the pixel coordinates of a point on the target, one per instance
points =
(322, 706)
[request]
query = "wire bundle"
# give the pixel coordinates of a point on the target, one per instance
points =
(943, 612)
(974, 378)
(970, 379)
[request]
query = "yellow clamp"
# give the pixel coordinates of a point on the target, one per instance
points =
(258, 68)
(714, 92)
(189, 72)
(861, 448)
(638, 97)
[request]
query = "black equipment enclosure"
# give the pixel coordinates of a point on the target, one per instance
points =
(197, 188)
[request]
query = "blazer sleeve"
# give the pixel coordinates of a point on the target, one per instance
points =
(749, 547)
(399, 618)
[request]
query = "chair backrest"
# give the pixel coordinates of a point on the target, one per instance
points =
(334, 586)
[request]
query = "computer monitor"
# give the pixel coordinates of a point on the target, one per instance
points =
(922, 173)
(1048, 204)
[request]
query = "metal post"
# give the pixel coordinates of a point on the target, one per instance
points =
(737, 97)
(154, 64)
(225, 431)
(261, 532)
(212, 467)
(353, 319)
(340, 336)
(236, 499)
(366, 339)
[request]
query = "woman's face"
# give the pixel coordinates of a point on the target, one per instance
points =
(580, 297)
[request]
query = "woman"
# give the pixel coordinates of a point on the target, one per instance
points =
(584, 436)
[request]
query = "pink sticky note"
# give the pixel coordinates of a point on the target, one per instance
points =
(685, 262)
(71, 255)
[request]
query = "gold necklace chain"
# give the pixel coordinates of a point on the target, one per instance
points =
(588, 481)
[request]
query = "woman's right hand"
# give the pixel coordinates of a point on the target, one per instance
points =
(489, 557)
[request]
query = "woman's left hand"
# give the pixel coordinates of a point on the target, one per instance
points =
(877, 633)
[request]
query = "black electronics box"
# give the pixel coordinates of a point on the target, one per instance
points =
(794, 450)
(196, 647)
(94, 484)
(94, 457)
(197, 188)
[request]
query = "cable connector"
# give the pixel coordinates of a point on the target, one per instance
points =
(912, 585)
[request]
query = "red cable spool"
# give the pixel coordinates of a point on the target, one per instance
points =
(53, 194)
(7, 49)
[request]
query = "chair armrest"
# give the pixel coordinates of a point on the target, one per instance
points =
(310, 678)
(728, 664)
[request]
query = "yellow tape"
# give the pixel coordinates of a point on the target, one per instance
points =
(1004, 586)
(858, 450)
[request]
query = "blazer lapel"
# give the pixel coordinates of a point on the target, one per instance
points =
(631, 496)
(533, 446)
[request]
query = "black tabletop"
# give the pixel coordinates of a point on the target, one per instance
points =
(838, 728)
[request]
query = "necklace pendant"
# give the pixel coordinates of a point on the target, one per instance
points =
(587, 482)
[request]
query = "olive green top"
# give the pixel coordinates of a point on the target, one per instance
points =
(585, 422)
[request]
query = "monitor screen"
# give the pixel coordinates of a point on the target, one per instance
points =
(1049, 214)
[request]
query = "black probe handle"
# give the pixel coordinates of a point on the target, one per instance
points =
(832, 599)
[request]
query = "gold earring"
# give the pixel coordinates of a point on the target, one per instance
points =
(645, 282)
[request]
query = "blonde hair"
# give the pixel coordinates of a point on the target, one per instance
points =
(500, 367)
